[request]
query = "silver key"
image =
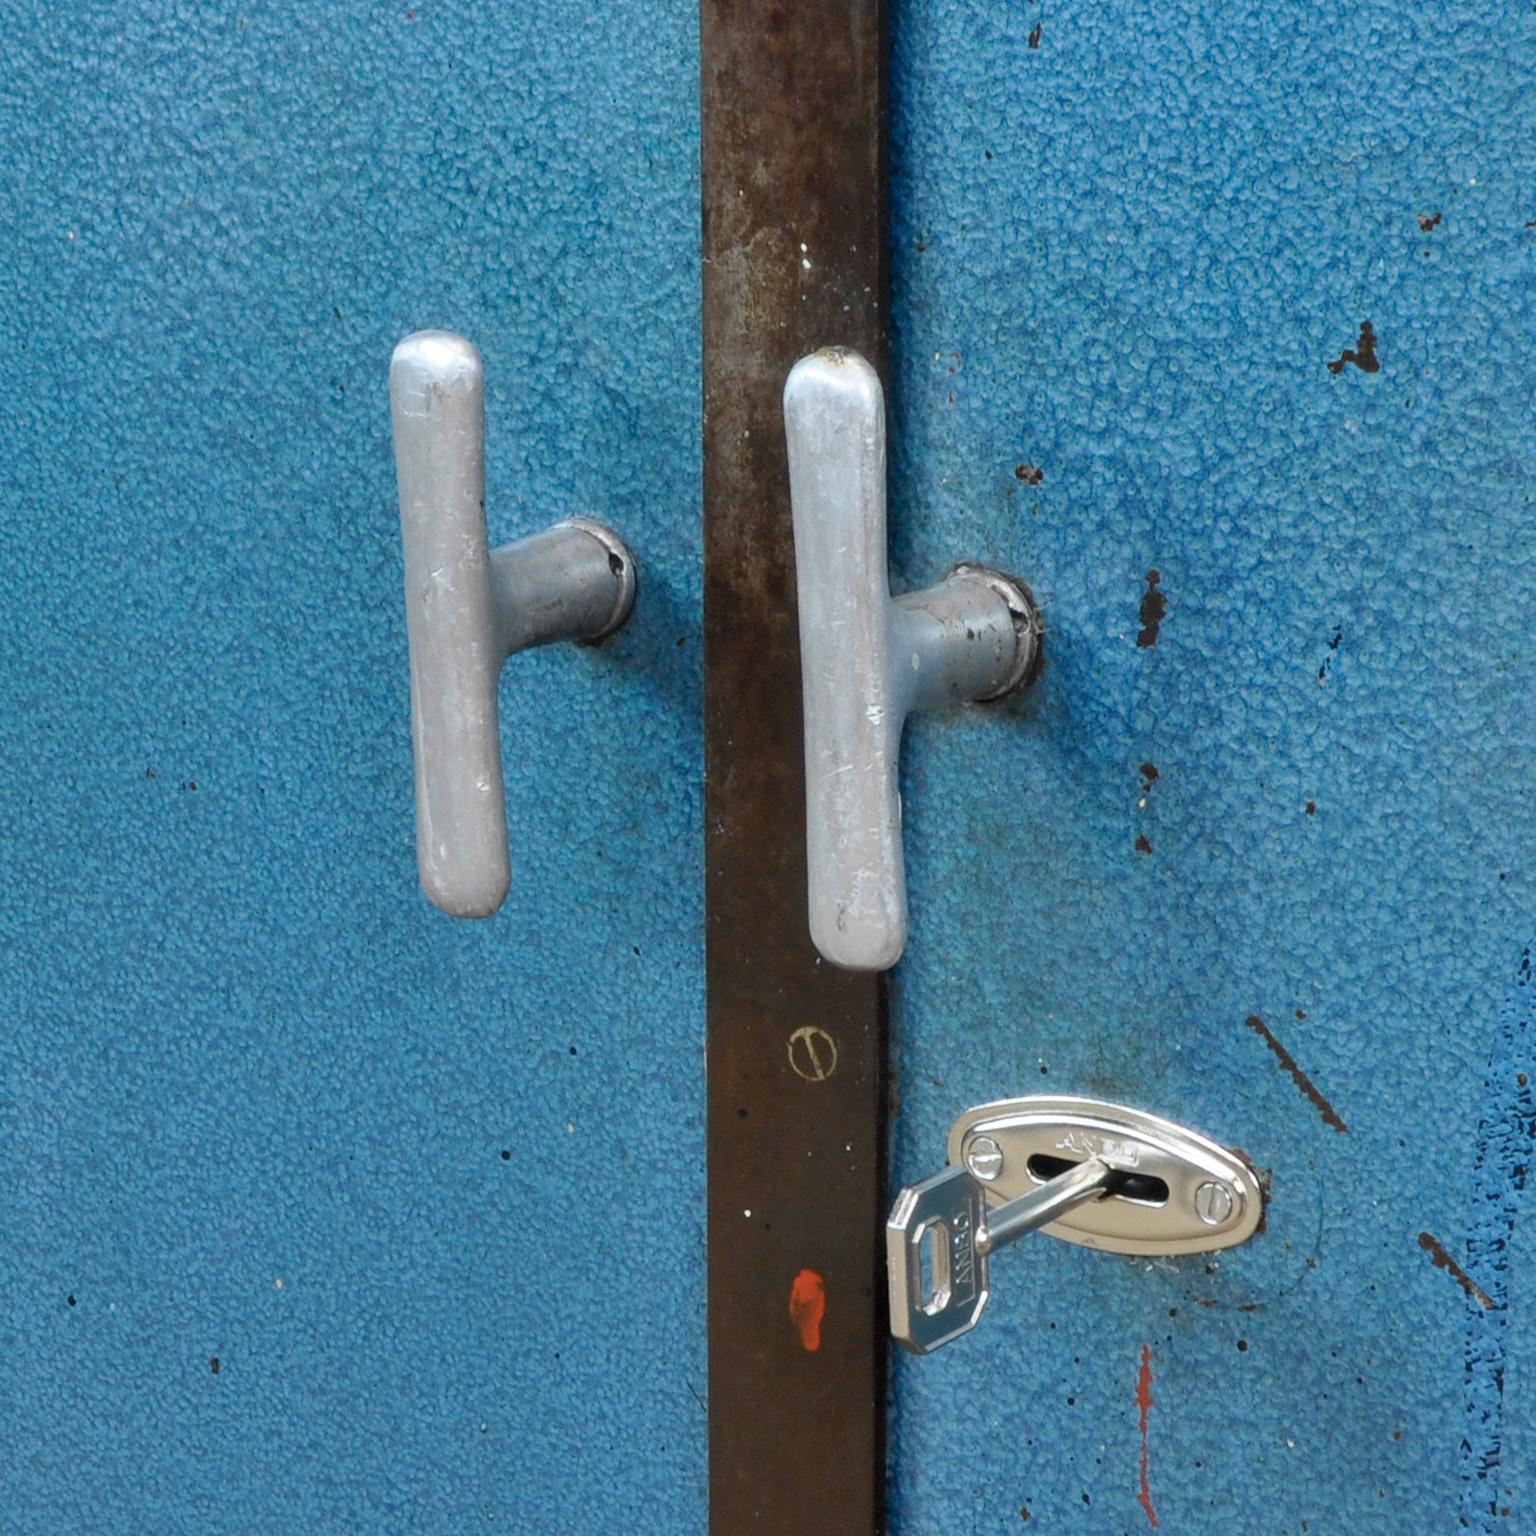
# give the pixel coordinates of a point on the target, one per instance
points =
(946, 1220)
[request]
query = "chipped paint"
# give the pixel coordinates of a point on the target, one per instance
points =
(1506, 1144)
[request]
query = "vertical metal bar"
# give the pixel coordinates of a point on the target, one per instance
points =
(793, 202)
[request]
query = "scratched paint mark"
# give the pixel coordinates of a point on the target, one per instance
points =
(1144, 1410)
(1333, 650)
(1034, 36)
(1142, 845)
(1154, 609)
(807, 1307)
(1308, 1087)
(1506, 1143)
(1362, 354)
(1428, 221)
(1442, 1260)
(1030, 474)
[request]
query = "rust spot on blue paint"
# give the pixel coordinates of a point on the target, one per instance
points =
(1154, 609)
(1144, 1412)
(1442, 1260)
(1330, 1115)
(1362, 354)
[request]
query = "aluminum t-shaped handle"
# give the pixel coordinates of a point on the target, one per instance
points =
(468, 607)
(868, 660)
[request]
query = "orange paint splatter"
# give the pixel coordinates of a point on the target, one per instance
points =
(807, 1306)
(1144, 1405)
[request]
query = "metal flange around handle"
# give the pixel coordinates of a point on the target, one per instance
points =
(469, 607)
(868, 659)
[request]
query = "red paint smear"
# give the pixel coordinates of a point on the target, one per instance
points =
(807, 1306)
(1144, 1404)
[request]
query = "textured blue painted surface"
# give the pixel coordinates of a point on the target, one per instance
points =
(402, 1177)
(1128, 241)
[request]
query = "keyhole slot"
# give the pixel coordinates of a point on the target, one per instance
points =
(1138, 1188)
(933, 1267)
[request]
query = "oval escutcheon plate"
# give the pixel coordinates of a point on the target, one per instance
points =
(1180, 1191)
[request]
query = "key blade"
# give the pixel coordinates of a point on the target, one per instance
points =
(942, 1214)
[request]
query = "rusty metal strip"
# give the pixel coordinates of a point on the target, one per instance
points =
(794, 205)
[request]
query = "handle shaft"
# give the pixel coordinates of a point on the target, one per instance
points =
(437, 402)
(868, 661)
(834, 417)
(468, 607)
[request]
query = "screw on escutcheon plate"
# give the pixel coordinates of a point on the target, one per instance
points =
(1213, 1203)
(984, 1158)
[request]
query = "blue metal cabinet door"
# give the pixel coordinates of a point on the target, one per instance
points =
(320, 1211)
(1214, 322)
